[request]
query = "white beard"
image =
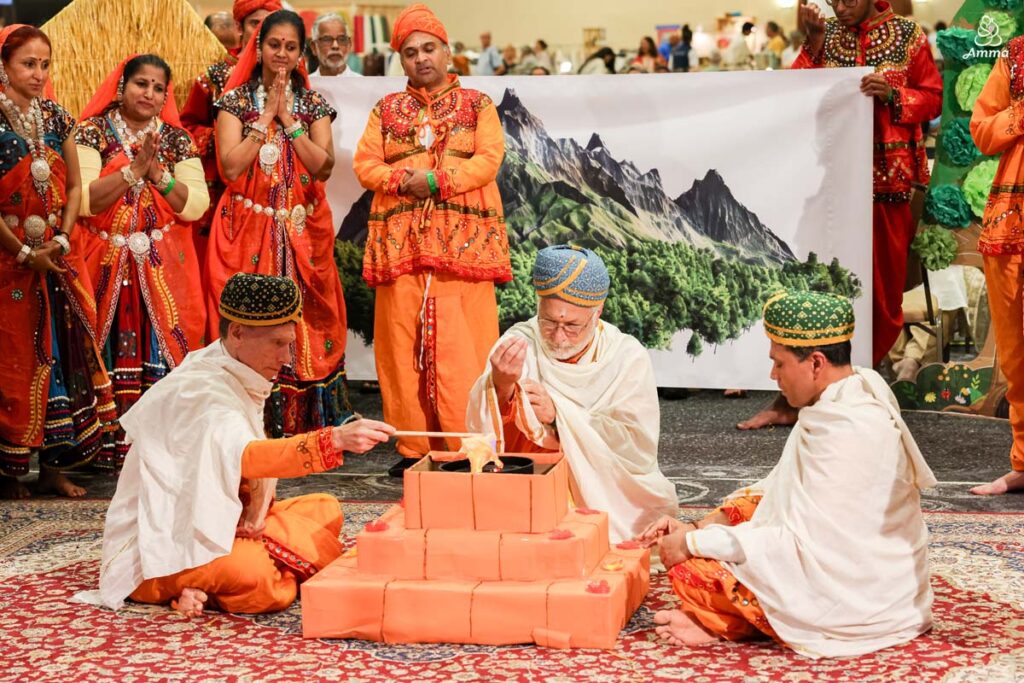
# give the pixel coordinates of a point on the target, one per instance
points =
(567, 351)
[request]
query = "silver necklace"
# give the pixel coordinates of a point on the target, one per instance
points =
(130, 138)
(29, 125)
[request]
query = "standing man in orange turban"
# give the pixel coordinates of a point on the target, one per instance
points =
(436, 242)
(198, 115)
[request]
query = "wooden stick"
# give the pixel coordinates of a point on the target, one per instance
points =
(439, 435)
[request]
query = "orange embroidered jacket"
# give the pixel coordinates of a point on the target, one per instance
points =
(461, 228)
(898, 49)
(997, 126)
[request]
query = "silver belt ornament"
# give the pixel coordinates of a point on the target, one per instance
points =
(35, 226)
(139, 243)
(297, 215)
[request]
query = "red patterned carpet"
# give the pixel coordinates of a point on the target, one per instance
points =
(49, 550)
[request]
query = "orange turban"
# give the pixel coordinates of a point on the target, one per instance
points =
(244, 8)
(417, 17)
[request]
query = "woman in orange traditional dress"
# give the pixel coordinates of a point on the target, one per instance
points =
(55, 395)
(143, 185)
(275, 152)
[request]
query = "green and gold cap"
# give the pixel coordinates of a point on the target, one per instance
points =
(798, 318)
(260, 300)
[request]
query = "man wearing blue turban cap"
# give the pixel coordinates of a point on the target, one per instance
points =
(566, 380)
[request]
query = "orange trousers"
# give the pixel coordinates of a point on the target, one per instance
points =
(249, 580)
(432, 334)
(710, 594)
(1004, 277)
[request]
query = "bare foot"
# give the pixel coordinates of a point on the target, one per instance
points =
(906, 370)
(778, 413)
(735, 393)
(54, 481)
(191, 602)
(12, 489)
(676, 628)
(1008, 482)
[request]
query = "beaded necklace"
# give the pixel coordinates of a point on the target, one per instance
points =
(29, 125)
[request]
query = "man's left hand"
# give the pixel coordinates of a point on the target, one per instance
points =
(250, 530)
(540, 399)
(415, 183)
(672, 548)
(875, 85)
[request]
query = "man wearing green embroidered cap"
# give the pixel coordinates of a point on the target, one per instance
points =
(194, 520)
(566, 380)
(827, 555)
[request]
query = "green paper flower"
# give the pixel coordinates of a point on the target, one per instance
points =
(1006, 26)
(969, 84)
(956, 44)
(936, 246)
(946, 205)
(978, 183)
(957, 141)
(1011, 5)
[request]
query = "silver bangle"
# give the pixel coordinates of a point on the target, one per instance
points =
(23, 254)
(129, 177)
(292, 128)
(165, 181)
(261, 128)
(64, 242)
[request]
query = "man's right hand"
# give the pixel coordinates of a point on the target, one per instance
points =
(813, 22)
(507, 366)
(663, 527)
(360, 436)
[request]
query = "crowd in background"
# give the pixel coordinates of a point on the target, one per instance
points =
(746, 46)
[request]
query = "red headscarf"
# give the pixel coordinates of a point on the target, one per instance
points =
(416, 17)
(4, 35)
(242, 71)
(244, 8)
(107, 94)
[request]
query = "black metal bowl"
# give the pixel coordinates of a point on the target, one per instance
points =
(514, 464)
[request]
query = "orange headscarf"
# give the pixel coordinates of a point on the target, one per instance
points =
(107, 94)
(242, 71)
(416, 17)
(4, 35)
(244, 8)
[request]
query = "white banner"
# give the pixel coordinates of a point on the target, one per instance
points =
(703, 191)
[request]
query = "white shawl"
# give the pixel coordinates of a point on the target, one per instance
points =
(176, 506)
(607, 420)
(837, 550)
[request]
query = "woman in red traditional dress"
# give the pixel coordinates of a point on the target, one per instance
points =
(275, 152)
(55, 395)
(142, 186)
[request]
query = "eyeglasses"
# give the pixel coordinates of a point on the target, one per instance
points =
(571, 330)
(845, 3)
(327, 41)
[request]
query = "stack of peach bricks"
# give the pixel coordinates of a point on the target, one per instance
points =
(491, 559)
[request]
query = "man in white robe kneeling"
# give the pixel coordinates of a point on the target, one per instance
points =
(566, 380)
(828, 554)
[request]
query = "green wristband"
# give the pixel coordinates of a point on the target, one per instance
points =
(170, 186)
(432, 182)
(296, 133)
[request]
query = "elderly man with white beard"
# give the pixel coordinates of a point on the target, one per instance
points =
(567, 380)
(331, 43)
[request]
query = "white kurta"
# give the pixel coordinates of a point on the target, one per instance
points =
(607, 419)
(176, 506)
(837, 549)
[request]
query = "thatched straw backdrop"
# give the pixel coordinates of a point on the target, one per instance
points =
(91, 37)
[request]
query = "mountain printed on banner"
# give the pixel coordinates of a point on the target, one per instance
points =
(555, 191)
